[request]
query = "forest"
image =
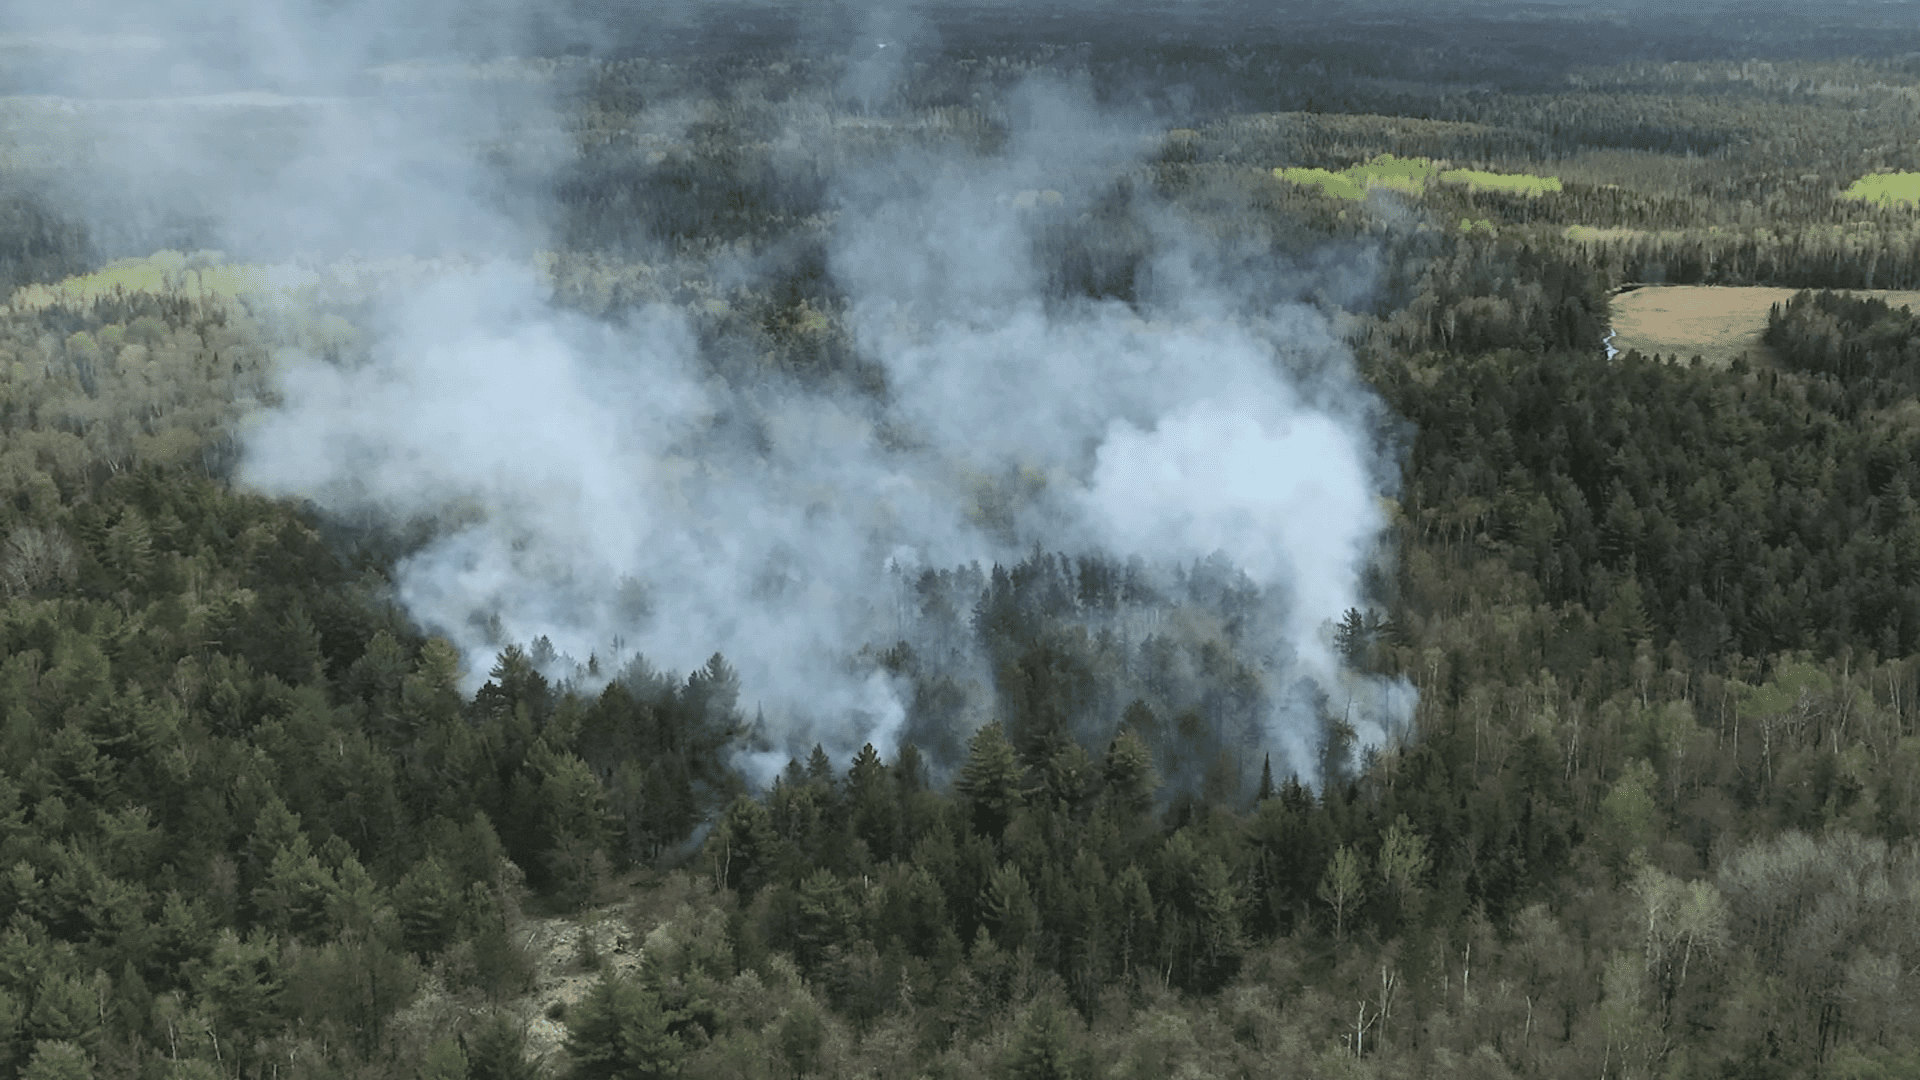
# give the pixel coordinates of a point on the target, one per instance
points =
(1652, 809)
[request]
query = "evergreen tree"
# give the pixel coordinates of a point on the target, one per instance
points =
(990, 782)
(1128, 775)
(58, 1060)
(497, 1050)
(1009, 909)
(745, 848)
(619, 1031)
(428, 902)
(871, 805)
(1048, 1046)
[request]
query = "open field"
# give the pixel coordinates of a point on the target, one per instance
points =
(1411, 176)
(1718, 322)
(1511, 183)
(1887, 189)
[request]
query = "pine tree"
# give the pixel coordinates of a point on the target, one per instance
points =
(745, 848)
(58, 1060)
(1129, 775)
(1008, 906)
(619, 1031)
(1048, 1046)
(989, 782)
(497, 1050)
(1350, 638)
(870, 804)
(428, 903)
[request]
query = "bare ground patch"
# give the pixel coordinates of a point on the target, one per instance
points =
(568, 955)
(1719, 323)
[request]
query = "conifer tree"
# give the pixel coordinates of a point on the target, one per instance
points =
(989, 782)
(619, 1031)
(497, 1050)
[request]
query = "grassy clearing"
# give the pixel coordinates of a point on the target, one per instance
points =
(1412, 176)
(1338, 185)
(1587, 234)
(1719, 323)
(1887, 189)
(1408, 175)
(1512, 184)
(203, 277)
(200, 276)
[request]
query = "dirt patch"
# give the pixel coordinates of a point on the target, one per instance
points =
(569, 955)
(1719, 323)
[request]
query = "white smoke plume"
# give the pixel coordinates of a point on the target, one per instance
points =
(595, 485)
(1216, 423)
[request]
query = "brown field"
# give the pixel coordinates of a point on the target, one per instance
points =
(1716, 322)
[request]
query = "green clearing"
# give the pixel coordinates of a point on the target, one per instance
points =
(1412, 176)
(1409, 175)
(1338, 185)
(201, 276)
(1513, 184)
(1887, 189)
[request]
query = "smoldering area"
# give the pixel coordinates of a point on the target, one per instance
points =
(1035, 450)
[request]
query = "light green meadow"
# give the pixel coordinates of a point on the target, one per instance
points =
(1412, 176)
(1887, 189)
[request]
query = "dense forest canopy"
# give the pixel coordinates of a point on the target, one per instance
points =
(548, 545)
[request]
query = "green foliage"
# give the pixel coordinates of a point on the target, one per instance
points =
(58, 1060)
(1653, 816)
(428, 901)
(241, 983)
(497, 1050)
(1862, 343)
(620, 1030)
(1521, 184)
(1888, 189)
(1407, 175)
(1047, 1046)
(666, 745)
(744, 847)
(444, 1060)
(354, 983)
(1411, 176)
(990, 782)
(1129, 775)
(1336, 185)
(66, 1010)
(1403, 857)
(1008, 909)
(1629, 815)
(823, 918)
(1342, 886)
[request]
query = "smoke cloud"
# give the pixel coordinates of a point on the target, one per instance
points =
(596, 484)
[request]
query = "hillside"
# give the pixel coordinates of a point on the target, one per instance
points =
(756, 562)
